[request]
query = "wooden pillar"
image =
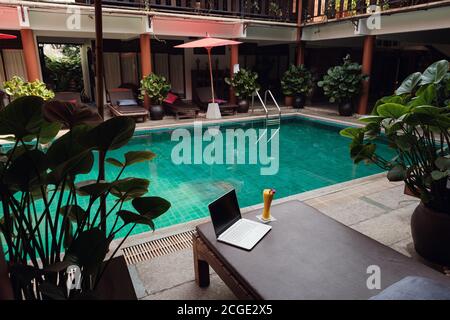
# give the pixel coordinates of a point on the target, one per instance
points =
(368, 47)
(300, 54)
(30, 55)
(146, 62)
(234, 59)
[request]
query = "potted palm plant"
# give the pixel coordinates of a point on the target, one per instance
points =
(53, 221)
(156, 87)
(342, 84)
(297, 82)
(416, 123)
(244, 83)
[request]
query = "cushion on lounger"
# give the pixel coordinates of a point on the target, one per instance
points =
(219, 101)
(414, 288)
(171, 98)
(127, 102)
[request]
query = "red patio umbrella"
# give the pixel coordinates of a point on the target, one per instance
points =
(7, 36)
(208, 43)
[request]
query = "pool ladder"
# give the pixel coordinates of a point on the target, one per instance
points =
(271, 119)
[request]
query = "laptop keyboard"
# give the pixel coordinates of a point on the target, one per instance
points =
(241, 231)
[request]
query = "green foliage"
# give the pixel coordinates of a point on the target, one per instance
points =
(342, 83)
(17, 87)
(297, 80)
(244, 83)
(156, 87)
(275, 10)
(65, 72)
(47, 211)
(416, 122)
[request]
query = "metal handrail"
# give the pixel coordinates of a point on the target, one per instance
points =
(263, 104)
(273, 99)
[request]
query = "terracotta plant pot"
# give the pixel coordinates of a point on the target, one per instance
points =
(288, 101)
(156, 112)
(431, 234)
(243, 106)
(346, 108)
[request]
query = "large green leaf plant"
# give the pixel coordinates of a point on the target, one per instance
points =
(415, 121)
(342, 83)
(156, 87)
(297, 80)
(50, 218)
(244, 83)
(17, 87)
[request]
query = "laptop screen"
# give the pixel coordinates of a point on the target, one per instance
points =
(224, 212)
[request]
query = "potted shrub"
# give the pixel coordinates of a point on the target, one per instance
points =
(342, 84)
(52, 219)
(156, 88)
(416, 123)
(244, 83)
(297, 83)
(17, 87)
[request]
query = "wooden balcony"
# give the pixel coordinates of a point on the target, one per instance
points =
(275, 10)
(324, 10)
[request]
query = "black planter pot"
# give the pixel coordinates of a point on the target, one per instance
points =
(299, 102)
(431, 234)
(243, 106)
(346, 108)
(156, 112)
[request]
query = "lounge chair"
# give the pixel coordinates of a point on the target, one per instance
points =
(180, 108)
(202, 96)
(308, 255)
(123, 103)
(68, 96)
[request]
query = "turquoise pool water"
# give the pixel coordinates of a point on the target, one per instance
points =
(312, 155)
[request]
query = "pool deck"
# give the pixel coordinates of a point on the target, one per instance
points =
(371, 205)
(323, 112)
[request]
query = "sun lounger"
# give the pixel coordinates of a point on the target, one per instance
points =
(306, 255)
(67, 96)
(123, 103)
(180, 108)
(202, 96)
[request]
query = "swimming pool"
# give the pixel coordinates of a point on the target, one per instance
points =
(312, 155)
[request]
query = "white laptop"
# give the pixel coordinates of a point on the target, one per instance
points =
(230, 227)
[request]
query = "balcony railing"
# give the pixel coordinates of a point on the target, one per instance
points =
(323, 10)
(275, 10)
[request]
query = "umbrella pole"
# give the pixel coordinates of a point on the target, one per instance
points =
(210, 74)
(99, 100)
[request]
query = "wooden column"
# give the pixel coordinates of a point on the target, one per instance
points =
(234, 59)
(300, 54)
(300, 57)
(146, 62)
(30, 55)
(368, 46)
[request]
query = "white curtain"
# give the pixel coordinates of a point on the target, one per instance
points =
(176, 74)
(162, 64)
(111, 61)
(14, 64)
(129, 68)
